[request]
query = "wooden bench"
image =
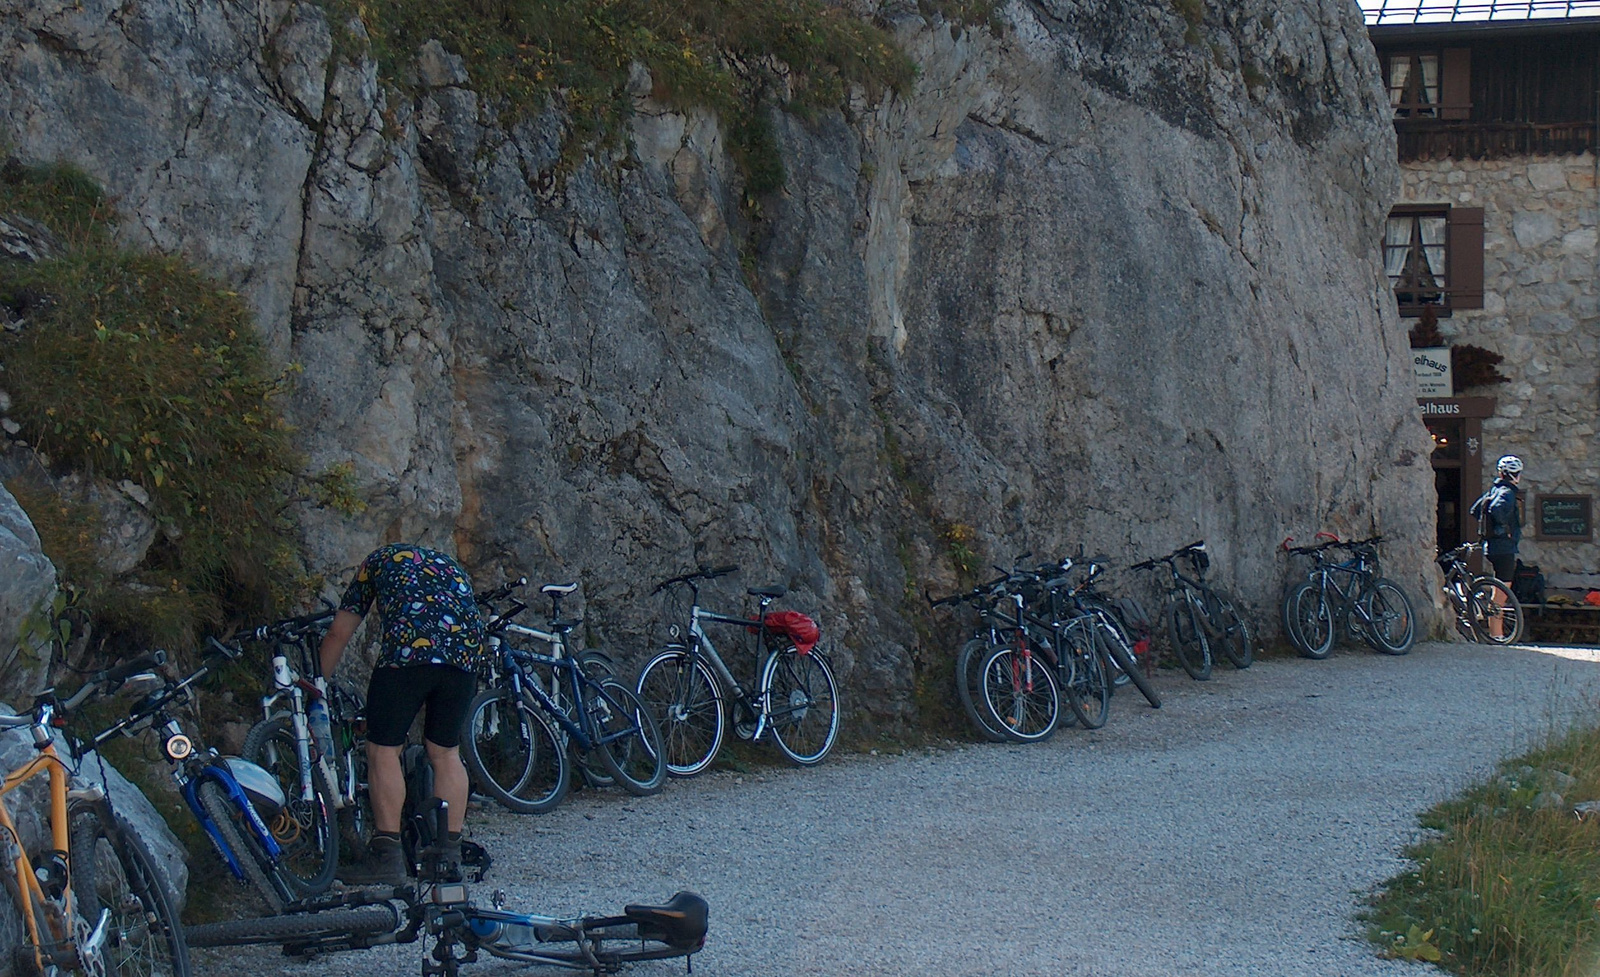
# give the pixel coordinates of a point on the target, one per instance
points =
(1562, 624)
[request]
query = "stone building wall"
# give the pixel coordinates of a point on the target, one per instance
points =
(1542, 313)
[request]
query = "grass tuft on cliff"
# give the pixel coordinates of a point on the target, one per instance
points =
(1508, 882)
(738, 57)
(132, 365)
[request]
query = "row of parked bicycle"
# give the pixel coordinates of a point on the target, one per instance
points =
(279, 814)
(1050, 633)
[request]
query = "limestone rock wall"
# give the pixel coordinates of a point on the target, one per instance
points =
(1105, 276)
(1541, 311)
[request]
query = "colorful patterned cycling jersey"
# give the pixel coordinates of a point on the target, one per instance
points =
(425, 600)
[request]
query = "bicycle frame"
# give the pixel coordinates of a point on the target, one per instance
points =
(702, 647)
(60, 947)
(582, 729)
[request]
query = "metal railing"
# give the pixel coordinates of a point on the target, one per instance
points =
(1393, 12)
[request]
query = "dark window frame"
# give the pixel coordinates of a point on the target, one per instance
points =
(1459, 283)
(1413, 104)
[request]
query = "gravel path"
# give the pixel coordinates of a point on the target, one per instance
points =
(1233, 832)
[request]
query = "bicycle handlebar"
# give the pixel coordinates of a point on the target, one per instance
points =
(503, 591)
(287, 629)
(112, 677)
(703, 572)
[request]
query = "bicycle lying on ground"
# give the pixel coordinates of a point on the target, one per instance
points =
(94, 902)
(1347, 596)
(517, 733)
(1486, 610)
(444, 912)
(687, 685)
(1200, 617)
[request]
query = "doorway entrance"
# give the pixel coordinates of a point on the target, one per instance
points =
(1456, 424)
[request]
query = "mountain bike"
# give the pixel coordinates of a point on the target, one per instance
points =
(1200, 618)
(94, 903)
(1016, 676)
(1116, 642)
(693, 694)
(309, 740)
(443, 911)
(968, 680)
(1481, 601)
(235, 802)
(1350, 596)
(517, 733)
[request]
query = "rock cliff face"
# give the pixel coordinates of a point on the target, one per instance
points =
(1107, 275)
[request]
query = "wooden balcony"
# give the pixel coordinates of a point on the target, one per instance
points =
(1430, 139)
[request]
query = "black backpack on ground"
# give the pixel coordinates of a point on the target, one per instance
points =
(1527, 583)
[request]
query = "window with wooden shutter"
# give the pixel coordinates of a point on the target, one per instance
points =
(1433, 256)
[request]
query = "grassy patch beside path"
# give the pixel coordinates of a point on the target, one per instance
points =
(1507, 885)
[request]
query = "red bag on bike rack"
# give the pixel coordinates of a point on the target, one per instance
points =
(797, 627)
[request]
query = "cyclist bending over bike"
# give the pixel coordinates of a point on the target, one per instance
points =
(432, 647)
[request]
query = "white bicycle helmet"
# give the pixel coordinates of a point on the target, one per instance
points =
(1509, 465)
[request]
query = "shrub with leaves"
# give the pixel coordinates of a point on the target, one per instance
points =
(734, 56)
(135, 366)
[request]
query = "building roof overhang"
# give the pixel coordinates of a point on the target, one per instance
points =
(1460, 31)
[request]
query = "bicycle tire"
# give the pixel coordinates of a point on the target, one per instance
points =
(246, 850)
(1488, 590)
(803, 703)
(1020, 694)
(1188, 636)
(1233, 632)
(635, 758)
(1391, 623)
(512, 752)
(686, 700)
(311, 853)
(327, 924)
(113, 871)
(969, 689)
(1313, 620)
(1086, 686)
(1114, 644)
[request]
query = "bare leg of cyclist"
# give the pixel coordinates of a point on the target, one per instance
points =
(449, 781)
(386, 786)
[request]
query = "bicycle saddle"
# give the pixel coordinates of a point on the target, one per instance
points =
(558, 588)
(681, 922)
(774, 592)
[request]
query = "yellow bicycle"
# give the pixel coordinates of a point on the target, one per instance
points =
(93, 901)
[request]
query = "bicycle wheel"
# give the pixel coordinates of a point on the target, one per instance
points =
(1086, 687)
(1114, 645)
(685, 699)
(1391, 625)
(1233, 634)
(112, 872)
(1020, 694)
(969, 689)
(305, 830)
(512, 752)
(1311, 619)
(803, 703)
(629, 744)
(261, 876)
(1489, 596)
(1188, 637)
(326, 924)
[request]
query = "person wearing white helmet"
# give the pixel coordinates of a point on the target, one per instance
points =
(1499, 515)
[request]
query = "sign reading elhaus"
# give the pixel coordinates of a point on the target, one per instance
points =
(1432, 367)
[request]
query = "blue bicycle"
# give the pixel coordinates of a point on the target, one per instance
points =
(240, 806)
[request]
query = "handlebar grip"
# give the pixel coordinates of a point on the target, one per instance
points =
(112, 676)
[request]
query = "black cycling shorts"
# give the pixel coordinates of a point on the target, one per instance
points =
(1505, 565)
(396, 695)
